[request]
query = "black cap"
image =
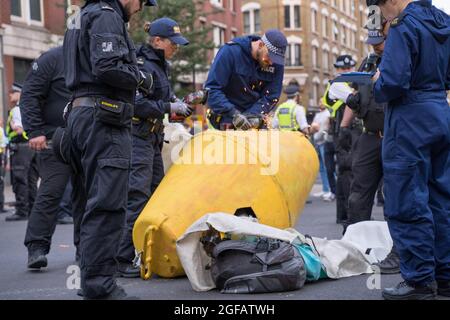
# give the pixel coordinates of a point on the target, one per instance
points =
(151, 3)
(16, 87)
(345, 61)
(167, 28)
(292, 90)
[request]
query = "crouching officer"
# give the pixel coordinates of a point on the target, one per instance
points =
(44, 97)
(102, 72)
(147, 169)
(413, 79)
(246, 80)
(290, 115)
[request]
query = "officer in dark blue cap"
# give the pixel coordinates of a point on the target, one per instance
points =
(147, 168)
(101, 71)
(246, 79)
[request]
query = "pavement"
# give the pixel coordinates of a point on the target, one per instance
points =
(56, 282)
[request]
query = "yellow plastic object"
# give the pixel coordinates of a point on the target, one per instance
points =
(220, 171)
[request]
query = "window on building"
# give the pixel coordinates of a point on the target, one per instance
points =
(316, 91)
(334, 3)
(288, 56)
(218, 38)
(325, 26)
(292, 18)
(232, 5)
(298, 55)
(335, 31)
(314, 20)
(218, 3)
(315, 57)
(21, 68)
(28, 11)
(325, 60)
(343, 35)
(252, 18)
(294, 55)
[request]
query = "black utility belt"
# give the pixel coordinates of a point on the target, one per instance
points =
(108, 111)
(154, 125)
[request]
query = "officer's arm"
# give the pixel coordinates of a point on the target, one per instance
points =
(347, 118)
(275, 122)
(301, 118)
(271, 93)
(110, 54)
(218, 79)
(396, 66)
(35, 91)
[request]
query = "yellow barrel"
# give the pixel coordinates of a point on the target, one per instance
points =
(220, 171)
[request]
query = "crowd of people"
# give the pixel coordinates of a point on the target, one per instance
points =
(89, 124)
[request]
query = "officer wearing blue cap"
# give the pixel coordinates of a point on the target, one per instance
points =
(413, 79)
(101, 71)
(246, 79)
(147, 168)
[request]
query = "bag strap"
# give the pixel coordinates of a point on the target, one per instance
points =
(234, 245)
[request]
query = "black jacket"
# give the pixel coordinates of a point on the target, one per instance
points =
(44, 95)
(100, 57)
(155, 105)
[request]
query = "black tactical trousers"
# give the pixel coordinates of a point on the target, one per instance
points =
(147, 171)
(101, 156)
(2, 182)
(24, 177)
(367, 171)
(42, 221)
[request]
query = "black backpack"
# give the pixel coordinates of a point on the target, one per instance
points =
(268, 265)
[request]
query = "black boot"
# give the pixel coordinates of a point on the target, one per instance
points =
(117, 294)
(391, 264)
(16, 217)
(128, 270)
(444, 288)
(404, 291)
(37, 258)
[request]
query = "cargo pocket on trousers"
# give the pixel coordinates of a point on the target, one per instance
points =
(112, 183)
(401, 190)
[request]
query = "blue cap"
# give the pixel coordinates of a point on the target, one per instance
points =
(375, 37)
(276, 42)
(16, 87)
(151, 3)
(167, 28)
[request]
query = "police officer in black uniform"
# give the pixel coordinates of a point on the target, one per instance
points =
(24, 173)
(102, 72)
(147, 169)
(367, 164)
(44, 97)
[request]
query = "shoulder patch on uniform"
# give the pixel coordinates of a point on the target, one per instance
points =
(398, 20)
(140, 60)
(35, 66)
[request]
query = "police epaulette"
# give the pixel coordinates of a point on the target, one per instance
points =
(140, 60)
(106, 7)
(398, 20)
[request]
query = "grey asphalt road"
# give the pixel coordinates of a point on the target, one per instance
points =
(16, 282)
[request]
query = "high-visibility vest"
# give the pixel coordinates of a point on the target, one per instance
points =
(11, 133)
(287, 118)
(333, 105)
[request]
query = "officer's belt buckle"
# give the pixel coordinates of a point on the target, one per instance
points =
(83, 102)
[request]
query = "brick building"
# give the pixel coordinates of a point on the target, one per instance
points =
(317, 31)
(27, 29)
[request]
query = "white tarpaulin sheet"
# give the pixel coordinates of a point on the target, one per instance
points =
(341, 258)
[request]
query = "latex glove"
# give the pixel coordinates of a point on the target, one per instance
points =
(145, 86)
(241, 122)
(180, 109)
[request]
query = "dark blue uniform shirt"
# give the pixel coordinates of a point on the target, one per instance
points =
(154, 106)
(236, 80)
(407, 74)
(44, 95)
(100, 57)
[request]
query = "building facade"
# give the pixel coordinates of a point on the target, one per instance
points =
(318, 31)
(27, 29)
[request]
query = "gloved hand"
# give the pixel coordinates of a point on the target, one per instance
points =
(180, 108)
(241, 122)
(145, 86)
(353, 101)
(345, 138)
